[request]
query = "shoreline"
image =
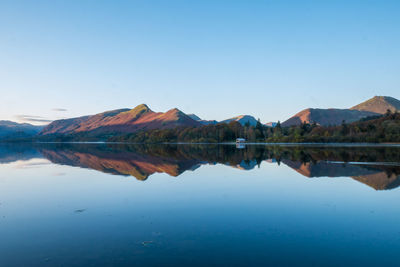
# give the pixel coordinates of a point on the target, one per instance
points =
(223, 143)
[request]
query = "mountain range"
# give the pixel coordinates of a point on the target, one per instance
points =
(142, 118)
(121, 121)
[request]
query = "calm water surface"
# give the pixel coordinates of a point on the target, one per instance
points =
(167, 205)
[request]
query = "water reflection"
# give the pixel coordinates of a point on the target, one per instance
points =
(377, 167)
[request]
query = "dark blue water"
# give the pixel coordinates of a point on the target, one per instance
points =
(107, 205)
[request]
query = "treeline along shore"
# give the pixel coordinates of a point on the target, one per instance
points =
(376, 129)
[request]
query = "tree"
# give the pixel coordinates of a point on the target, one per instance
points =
(259, 130)
(344, 128)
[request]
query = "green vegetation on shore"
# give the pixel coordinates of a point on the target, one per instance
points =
(376, 129)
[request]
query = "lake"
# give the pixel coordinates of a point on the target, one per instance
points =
(168, 205)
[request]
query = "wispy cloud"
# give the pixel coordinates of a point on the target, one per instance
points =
(32, 119)
(59, 109)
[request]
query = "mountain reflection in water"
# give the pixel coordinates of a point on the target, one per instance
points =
(377, 167)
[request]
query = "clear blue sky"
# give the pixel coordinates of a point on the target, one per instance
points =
(218, 59)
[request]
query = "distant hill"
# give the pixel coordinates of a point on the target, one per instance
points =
(12, 130)
(242, 119)
(271, 124)
(121, 121)
(203, 122)
(326, 117)
(379, 104)
(194, 117)
(373, 129)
